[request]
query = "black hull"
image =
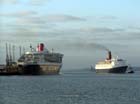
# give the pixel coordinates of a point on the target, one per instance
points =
(113, 70)
(32, 69)
(8, 73)
(39, 70)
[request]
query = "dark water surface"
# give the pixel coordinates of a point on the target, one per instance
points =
(71, 87)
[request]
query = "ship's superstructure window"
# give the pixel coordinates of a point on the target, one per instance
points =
(38, 57)
(53, 57)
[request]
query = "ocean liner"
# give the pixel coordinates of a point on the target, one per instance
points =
(111, 65)
(40, 61)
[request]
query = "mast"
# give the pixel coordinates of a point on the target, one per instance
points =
(10, 54)
(13, 48)
(7, 56)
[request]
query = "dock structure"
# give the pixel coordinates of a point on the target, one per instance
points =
(10, 68)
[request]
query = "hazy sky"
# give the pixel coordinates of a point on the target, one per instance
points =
(73, 26)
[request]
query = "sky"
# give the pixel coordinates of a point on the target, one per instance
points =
(74, 28)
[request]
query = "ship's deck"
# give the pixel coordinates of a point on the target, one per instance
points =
(104, 62)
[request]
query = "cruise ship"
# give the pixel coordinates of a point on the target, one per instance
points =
(40, 61)
(111, 65)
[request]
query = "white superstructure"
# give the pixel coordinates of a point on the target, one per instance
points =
(108, 64)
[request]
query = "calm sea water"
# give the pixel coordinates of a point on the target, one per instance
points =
(71, 87)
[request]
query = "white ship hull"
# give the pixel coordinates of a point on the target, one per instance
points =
(121, 69)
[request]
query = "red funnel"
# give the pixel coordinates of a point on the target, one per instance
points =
(40, 47)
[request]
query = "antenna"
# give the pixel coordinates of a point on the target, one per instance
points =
(31, 47)
(20, 51)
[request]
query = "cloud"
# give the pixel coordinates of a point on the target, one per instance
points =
(49, 18)
(131, 36)
(63, 18)
(18, 14)
(38, 2)
(26, 13)
(8, 1)
(102, 18)
(28, 24)
(74, 39)
(100, 30)
(108, 17)
(30, 2)
(134, 28)
(31, 20)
